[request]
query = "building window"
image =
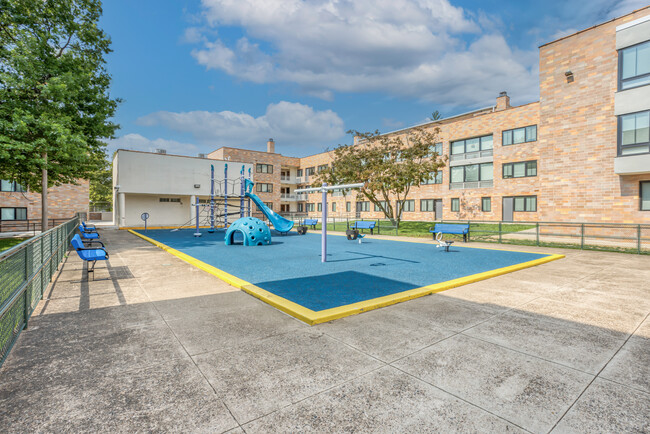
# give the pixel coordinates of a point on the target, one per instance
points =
(434, 178)
(10, 186)
(472, 173)
(486, 204)
(264, 188)
(471, 145)
(309, 171)
(363, 206)
(644, 194)
(437, 148)
(383, 203)
(407, 205)
(310, 207)
(333, 206)
(13, 213)
(322, 167)
(264, 168)
(455, 204)
(348, 206)
(427, 205)
(634, 66)
(320, 206)
(170, 199)
(520, 170)
(525, 203)
(301, 207)
(269, 204)
(299, 172)
(634, 133)
(519, 135)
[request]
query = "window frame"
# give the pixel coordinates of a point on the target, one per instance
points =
(512, 135)
(15, 187)
(620, 69)
(431, 203)
(512, 165)
(455, 201)
(15, 208)
(348, 206)
(489, 207)
(260, 166)
(524, 197)
(309, 171)
(435, 179)
(641, 183)
(268, 185)
(619, 135)
(478, 172)
(410, 201)
(480, 144)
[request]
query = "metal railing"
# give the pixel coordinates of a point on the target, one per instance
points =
(471, 155)
(615, 237)
(25, 272)
(471, 184)
(28, 225)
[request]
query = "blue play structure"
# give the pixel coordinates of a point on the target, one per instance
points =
(280, 224)
(254, 231)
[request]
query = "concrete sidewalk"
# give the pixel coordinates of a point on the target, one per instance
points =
(154, 344)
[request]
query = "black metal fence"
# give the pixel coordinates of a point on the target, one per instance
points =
(28, 225)
(25, 272)
(618, 237)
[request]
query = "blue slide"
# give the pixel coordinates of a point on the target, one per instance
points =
(280, 224)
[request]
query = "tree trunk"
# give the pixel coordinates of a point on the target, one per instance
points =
(44, 196)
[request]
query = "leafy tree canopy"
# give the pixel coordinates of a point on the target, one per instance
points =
(435, 116)
(101, 184)
(54, 90)
(388, 165)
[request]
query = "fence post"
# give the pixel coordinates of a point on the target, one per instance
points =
(638, 239)
(582, 235)
(26, 293)
(537, 224)
(500, 232)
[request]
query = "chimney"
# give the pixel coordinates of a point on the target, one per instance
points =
(503, 101)
(270, 146)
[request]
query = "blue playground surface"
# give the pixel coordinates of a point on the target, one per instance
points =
(291, 267)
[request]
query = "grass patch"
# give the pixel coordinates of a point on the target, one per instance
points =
(478, 231)
(8, 243)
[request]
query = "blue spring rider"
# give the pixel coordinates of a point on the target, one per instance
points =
(254, 230)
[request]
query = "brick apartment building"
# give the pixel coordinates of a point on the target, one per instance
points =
(18, 205)
(580, 153)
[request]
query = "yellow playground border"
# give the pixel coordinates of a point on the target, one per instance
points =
(316, 317)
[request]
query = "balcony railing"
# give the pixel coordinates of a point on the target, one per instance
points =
(471, 155)
(471, 184)
(292, 197)
(289, 179)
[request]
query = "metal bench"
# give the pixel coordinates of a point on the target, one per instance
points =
(447, 228)
(364, 225)
(88, 235)
(90, 255)
(310, 222)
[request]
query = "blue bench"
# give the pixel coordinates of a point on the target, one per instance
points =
(447, 228)
(364, 225)
(310, 222)
(88, 235)
(90, 255)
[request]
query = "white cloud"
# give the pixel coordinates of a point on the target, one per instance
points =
(407, 48)
(137, 142)
(293, 124)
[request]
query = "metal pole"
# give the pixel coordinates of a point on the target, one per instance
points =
(538, 233)
(241, 198)
(324, 226)
(211, 199)
(638, 239)
(250, 178)
(225, 197)
(582, 236)
(197, 233)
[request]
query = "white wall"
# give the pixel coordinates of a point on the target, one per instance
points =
(160, 213)
(149, 173)
(143, 178)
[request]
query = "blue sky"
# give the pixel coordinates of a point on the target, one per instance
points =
(199, 74)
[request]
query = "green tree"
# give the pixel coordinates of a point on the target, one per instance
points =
(55, 106)
(435, 116)
(101, 184)
(389, 166)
